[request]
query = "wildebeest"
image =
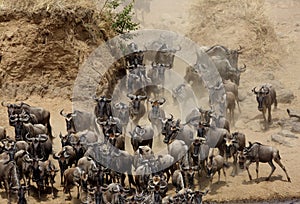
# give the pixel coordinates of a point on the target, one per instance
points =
(9, 175)
(135, 57)
(136, 108)
(165, 56)
(79, 121)
(215, 164)
(227, 71)
(122, 163)
(40, 147)
(121, 111)
(22, 127)
(103, 108)
(174, 130)
(50, 171)
(141, 136)
(258, 152)
(73, 177)
(232, 145)
(66, 158)
(266, 97)
(199, 153)
(143, 153)
(113, 193)
(223, 52)
(178, 180)
(230, 105)
(2, 133)
(156, 114)
(157, 74)
(164, 164)
(24, 163)
(230, 86)
(41, 115)
(226, 62)
(142, 176)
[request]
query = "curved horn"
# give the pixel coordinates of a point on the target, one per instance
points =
(243, 69)
(162, 101)
(154, 65)
(13, 118)
(42, 138)
(62, 113)
(254, 90)
(171, 118)
(5, 105)
(98, 120)
(108, 100)
(140, 97)
(25, 119)
(117, 105)
(150, 100)
(27, 138)
(95, 98)
(163, 186)
(131, 96)
(150, 184)
(239, 50)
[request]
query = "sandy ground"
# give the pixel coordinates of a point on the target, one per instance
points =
(285, 16)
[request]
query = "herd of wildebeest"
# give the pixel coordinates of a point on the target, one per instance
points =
(93, 157)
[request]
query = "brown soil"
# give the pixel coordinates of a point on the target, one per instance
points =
(42, 51)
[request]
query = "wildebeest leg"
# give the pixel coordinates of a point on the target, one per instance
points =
(247, 167)
(269, 115)
(224, 172)
(219, 175)
(265, 119)
(283, 168)
(77, 191)
(234, 170)
(256, 169)
(273, 169)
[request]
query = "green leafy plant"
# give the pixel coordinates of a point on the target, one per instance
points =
(121, 17)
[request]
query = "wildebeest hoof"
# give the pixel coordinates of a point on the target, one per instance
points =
(233, 175)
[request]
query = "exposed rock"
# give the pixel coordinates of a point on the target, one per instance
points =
(285, 96)
(296, 127)
(280, 139)
(287, 133)
(293, 113)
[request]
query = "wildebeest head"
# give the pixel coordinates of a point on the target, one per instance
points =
(155, 106)
(145, 151)
(261, 96)
(12, 108)
(196, 147)
(170, 130)
(229, 146)
(136, 102)
(122, 112)
(233, 55)
(103, 107)
(20, 130)
(65, 139)
(241, 159)
(69, 120)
